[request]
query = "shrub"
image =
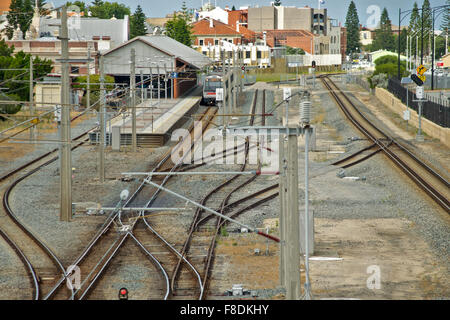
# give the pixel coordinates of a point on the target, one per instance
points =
(9, 108)
(389, 59)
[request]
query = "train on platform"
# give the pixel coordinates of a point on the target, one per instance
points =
(210, 83)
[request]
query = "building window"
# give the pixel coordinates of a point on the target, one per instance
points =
(230, 41)
(258, 54)
(216, 42)
(247, 54)
(75, 70)
(201, 42)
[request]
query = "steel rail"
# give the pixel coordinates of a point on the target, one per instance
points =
(220, 221)
(115, 214)
(421, 182)
(197, 216)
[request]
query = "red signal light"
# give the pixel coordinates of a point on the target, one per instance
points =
(123, 294)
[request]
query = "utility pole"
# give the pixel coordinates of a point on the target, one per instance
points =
(101, 140)
(293, 222)
(88, 80)
(159, 83)
(66, 157)
(234, 81)
(172, 86)
(151, 87)
(33, 128)
(133, 99)
(224, 102)
(165, 81)
(283, 209)
(142, 85)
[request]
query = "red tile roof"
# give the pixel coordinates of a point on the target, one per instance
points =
(202, 27)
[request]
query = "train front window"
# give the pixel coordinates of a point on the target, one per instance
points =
(213, 85)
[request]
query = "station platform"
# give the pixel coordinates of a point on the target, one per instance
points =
(155, 121)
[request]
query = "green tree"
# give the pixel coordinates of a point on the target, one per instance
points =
(79, 4)
(352, 25)
(107, 10)
(277, 3)
(403, 36)
(137, 23)
(27, 12)
(440, 47)
(427, 25)
(233, 8)
(178, 29)
(290, 50)
(446, 18)
(16, 90)
(94, 85)
(414, 26)
(384, 38)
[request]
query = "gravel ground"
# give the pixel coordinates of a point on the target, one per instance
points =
(371, 203)
(361, 221)
(7, 165)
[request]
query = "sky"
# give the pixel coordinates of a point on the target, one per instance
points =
(368, 10)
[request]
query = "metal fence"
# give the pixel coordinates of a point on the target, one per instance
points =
(432, 110)
(360, 80)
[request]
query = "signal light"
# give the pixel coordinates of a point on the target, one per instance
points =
(314, 64)
(123, 294)
(243, 68)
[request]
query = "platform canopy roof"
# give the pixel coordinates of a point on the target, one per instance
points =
(149, 48)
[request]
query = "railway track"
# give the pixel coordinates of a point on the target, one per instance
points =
(94, 260)
(15, 233)
(425, 177)
(208, 226)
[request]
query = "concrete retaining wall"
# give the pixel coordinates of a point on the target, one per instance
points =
(430, 128)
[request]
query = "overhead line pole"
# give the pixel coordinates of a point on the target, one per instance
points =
(66, 157)
(88, 80)
(101, 140)
(133, 99)
(33, 128)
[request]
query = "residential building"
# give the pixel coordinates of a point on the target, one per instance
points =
(109, 33)
(343, 32)
(238, 19)
(365, 36)
(217, 14)
(334, 34)
(257, 55)
(292, 38)
(211, 32)
(4, 6)
(287, 18)
(51, 49)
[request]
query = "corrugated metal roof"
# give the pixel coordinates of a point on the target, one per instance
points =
(174, 48)
(178, 49)
(116, 29)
